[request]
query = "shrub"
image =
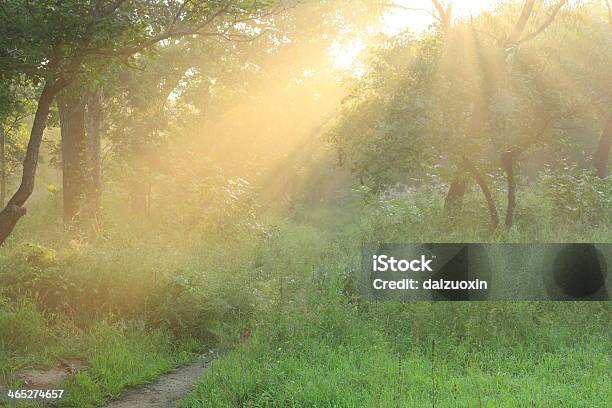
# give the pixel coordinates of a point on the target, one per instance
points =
(22, 327)
(177, 304)
(577, 195)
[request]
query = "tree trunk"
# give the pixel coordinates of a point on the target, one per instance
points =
(508, 163)
(14, 209)
(600, 157)
(93, 187)
(456, 192)
(482, 183)
(444, 14)
(521, 23)
(71, 105)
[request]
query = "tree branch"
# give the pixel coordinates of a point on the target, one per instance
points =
(174, 32)
(444, 13)
(546, 23)
(399, 6)
(521, 23)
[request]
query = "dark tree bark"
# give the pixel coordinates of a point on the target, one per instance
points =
(600, 157)
(484, 187)
(508, 161)
(71, 104)
(93, 186)
(456, 192)
(14, 209)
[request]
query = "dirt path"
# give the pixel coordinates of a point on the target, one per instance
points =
(165, 391)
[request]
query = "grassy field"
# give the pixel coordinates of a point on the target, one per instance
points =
(280, 306)
(318, 345)
(334, 355)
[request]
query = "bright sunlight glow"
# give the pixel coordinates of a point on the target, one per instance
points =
(400, 18)
(344, 55)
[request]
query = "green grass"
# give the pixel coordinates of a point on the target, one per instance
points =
(117, 356)
(324, 351)
(281, 306)
(349, 360)
(120, 358)
(318, 345)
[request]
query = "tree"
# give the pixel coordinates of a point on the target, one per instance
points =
(71, 105)
(81, 122)
(52, 42)
(139, 105)
(459, 120)
(217, 98)
(14, 109)
(516, 38)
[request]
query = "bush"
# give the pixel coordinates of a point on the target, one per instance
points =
(577, 194)
(177, 304)
(22, 327)
(48, 279)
